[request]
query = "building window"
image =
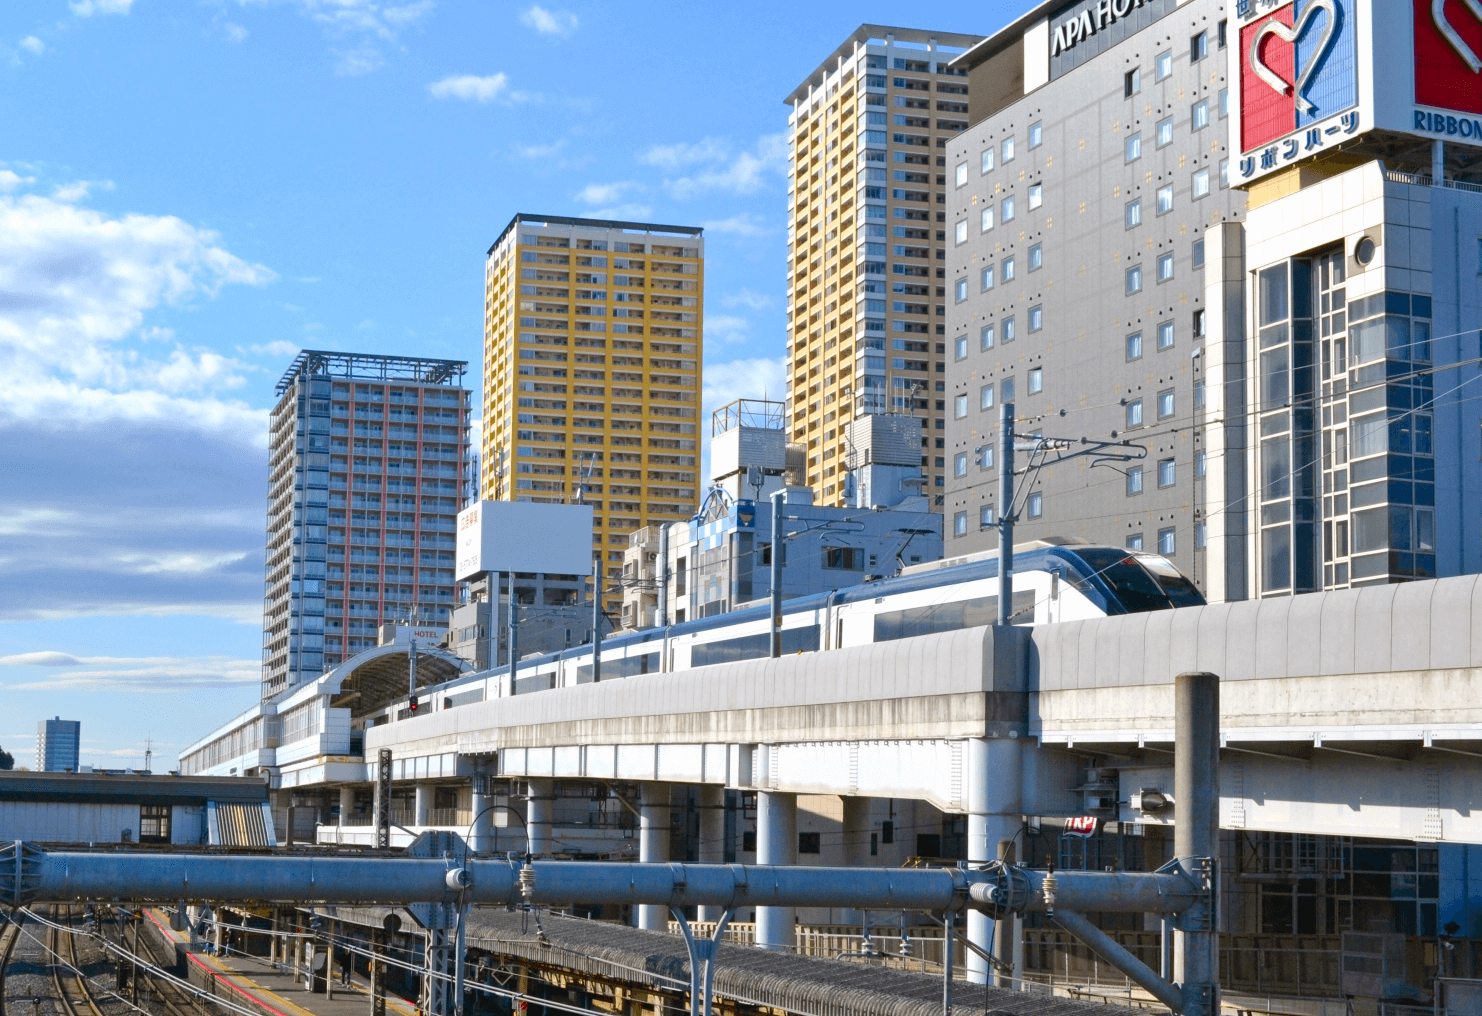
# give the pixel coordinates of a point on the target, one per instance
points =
(985, 460)
(959, 407)
(1134, 148)
(1134, 542)
(1008, 149)
(1006, 390)
(1198, 46)
(1199, 314)
(1166, 473)
(1165, 335)
(961, 288)
(1008, 269)
(985, 337)
(987, 279)
(1132, 82)
(1224, 102)
(1134, 480)
(987, 161)
(1036, 319)
(985, 397)
(961, 345)
(1199, 115)
(808, 843)
(1165, 199)
(1134, 346)
(1199, 526)
(1224, 173)
(1036, 380)
(959, 524)
(987, 222)
(1199, 464)
(1165, 132)
(1036, 135)
(1167, 543)
(1134, 279)
(1008, 210)
(1010, 332)
(961, 174)
(1036, 505)
(985, 517)
(960, 231)
(1201, 183)
(1163, 65)
(1134, 413)
(1196, 255)
(154, 823)
(1036, 195)
(959, 464)
(1222, 34)
(1165, 404)
(1132, 214)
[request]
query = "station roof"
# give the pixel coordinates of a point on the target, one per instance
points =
(128, 788)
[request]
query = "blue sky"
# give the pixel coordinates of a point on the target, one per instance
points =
(192, 190)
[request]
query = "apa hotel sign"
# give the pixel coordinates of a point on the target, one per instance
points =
(1086, 22)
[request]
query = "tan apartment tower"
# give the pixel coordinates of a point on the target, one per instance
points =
(866, 280)
(366, 458)
(592, 339)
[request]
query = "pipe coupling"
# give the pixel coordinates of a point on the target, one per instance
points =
(999, 890)
(527, 881)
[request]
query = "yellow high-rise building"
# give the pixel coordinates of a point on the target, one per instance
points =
(592, 340)
(867, 241)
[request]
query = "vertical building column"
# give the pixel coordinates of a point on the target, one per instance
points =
(653, 846)
(422, 810)
(995, 769)
(712, 838)
(480, 815)
(856, 826)
(347, 804)
(776, 843)
(540, 815)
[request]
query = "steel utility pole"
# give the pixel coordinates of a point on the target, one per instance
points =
(597, 619)
(1006, 513)
(779, 497)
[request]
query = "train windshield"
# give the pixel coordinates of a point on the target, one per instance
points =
(1180, 590)
(1134, 585)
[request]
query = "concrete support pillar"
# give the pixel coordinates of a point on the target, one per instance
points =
(347, 804)
(422, 812)
(712, 838)
(653, 846)
(995, 780)
(1438, 162)
(480, 839)
(776, 843)
(857, 828)
(540, 815)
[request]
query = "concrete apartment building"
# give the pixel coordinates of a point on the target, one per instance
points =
(592, 340)
(58, 743)
(1153, 241)
(866, 283)
(366, 455)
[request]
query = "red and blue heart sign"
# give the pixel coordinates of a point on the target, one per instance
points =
(1448, 54)
(1298, 67)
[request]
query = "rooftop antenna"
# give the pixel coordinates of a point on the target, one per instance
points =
(148, 752)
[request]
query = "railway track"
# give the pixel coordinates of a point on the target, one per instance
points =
(167, 993)
(73, 991)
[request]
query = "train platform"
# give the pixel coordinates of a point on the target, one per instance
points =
(270, 988)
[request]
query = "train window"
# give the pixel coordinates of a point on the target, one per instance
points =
(1180, 590)
(982, 610)
(752, 647)
(1133, 585)
(648, 663)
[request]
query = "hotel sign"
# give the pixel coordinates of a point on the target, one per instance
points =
(1089, 20)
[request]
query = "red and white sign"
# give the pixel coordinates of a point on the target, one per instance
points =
(1448, 55)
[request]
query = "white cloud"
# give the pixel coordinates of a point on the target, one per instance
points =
(549, 22)
(540, 151)
(757, 378)
(602, 193)
(739, 224)
(747, 298)
(469, 87)
(361, 28)
(277, 349)
(9, 180)
(629, 211)
(726, 327)
(33, 45)
(684, 154)
(87, 8)
(235, 32)
(146, 674)
(78, 190)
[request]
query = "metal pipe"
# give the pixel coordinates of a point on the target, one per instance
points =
(662, 574)
(778, 499)
(1129, 964)
(597, 620)
(512, 643)
(1121, 891)
(1006, 513)
(1196, 712)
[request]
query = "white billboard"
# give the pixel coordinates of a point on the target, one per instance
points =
(523, 536)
